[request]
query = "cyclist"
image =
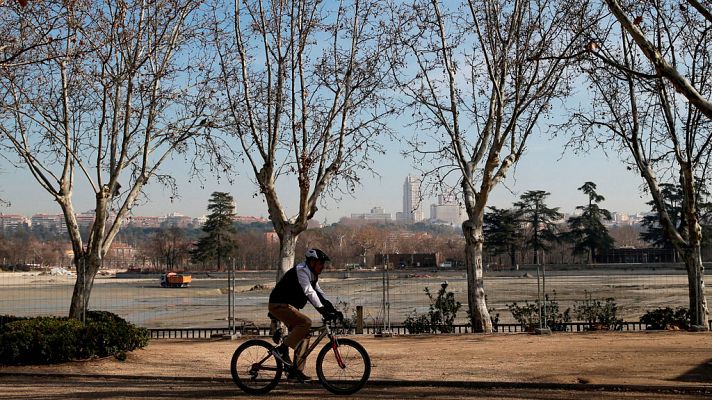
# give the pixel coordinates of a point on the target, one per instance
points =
(297, 286)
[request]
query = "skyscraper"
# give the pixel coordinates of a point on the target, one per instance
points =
(412, 212)
(448, 210)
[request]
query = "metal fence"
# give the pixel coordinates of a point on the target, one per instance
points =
(204, 305)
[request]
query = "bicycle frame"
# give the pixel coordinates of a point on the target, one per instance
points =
(324, 331)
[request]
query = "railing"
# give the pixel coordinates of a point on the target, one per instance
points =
(206, 333)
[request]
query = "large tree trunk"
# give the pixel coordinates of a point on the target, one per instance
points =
(696, 285)
(287, 250)
(87, 266)
(480, 318)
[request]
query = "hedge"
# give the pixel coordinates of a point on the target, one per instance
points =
(49, 340)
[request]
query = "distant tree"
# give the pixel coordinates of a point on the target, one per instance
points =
(540, 220)
(219, 244)
(652, 231)
(586, 231)
(171, 246)
(672, 197)
(503, 232)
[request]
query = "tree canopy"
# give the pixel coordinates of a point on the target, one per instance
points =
(540, 220)
(219, 243)
(586, 231)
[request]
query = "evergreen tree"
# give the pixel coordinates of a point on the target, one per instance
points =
(672, 195)
(540, 218)
(587, 232)
(653, 232)
(219, 244)
(503, 233)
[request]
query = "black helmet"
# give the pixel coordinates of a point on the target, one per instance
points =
(317, 254)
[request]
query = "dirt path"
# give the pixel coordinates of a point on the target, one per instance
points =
(489, 366)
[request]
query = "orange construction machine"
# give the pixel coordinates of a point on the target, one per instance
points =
(174, 280)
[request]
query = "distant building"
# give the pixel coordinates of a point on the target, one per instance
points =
(271, 237)
(411, 260)
(49, 222)
(178, 220)
(246, 219)
(448, 211)
(313, 224)
(138, 221)
(86, 219)
(376, 215)
(13, 222)
(412, 211)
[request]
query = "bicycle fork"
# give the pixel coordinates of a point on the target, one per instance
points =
(337, 354)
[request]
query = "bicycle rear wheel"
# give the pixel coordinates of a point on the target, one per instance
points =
(254, 369)
(343, 367)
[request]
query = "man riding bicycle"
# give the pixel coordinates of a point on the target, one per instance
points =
(299, 285)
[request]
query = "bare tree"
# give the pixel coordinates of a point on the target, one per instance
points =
(485, 74)
(665, 135)
(665, 63)
(303, 85)
(123, 89)
(170, 246)
(23, 32)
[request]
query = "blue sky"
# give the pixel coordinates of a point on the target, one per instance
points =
(543, 167)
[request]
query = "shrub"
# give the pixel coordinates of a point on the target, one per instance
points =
(528, 314)
(441, 314)
(666, 318)
(443, 309)
(350, 316)
(417, 323)
(598, 314)
(112, 334)
(49, 340)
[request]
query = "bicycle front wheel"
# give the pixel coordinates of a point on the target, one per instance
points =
(254, 369)
(343, 367)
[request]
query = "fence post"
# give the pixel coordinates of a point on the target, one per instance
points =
(359, 320)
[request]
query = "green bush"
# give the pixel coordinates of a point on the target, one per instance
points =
(49, 340)
(666, 318)
(443, 309)
(417, 323)
(440, 316)
(528, 314)
(598, 314)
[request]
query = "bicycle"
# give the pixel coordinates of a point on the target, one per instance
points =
(342, 366)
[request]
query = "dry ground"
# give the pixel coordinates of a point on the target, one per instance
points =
(657, 365)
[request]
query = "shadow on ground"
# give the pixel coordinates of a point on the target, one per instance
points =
(56, 388)
(701, 373)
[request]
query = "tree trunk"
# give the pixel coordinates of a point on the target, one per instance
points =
(696, 286)
(513, 258)
(87, 266)
(287, 250)
(480, 318)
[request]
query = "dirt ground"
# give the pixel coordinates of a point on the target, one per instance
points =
(652, 365)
